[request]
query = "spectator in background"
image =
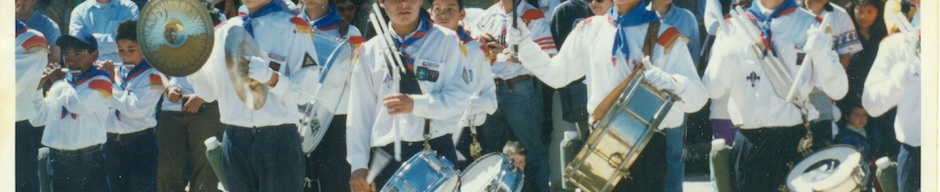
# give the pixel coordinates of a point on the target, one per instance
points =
(547, 7)
(859, 134)
(101, 19)
(868, 18)
(683, 20)
(347, 10)
(566, 17)
(39, 22)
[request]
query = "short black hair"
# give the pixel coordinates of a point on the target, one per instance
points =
(127, 30)
(459, 3)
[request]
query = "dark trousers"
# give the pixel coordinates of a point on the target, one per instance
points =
(443, 145)
(326, 165)
(822, 134)
(263, 158)
(77, 170)
(909, 168)
(131, 161)
(761, 157)
(648, 172)
(26, 153)
(181, 138)
(463, 146)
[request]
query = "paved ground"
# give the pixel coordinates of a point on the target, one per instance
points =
(697, 183)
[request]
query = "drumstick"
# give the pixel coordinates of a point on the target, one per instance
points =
(808, 61)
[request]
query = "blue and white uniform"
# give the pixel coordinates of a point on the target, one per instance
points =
(136, 93)
(32, 50)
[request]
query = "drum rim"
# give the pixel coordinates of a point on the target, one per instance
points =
(420, 154)
(794, 181)
(505, 157)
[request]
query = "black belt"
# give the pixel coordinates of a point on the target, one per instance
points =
(513, 80)
(76, 152)
(119, 136)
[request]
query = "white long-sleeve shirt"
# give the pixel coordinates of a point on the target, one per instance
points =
(75, 117)
(735, 71)
(32, 52)
(591, 42)
(495, 20)
(284, 43)
(884, 89)
(443, 101)
(102, 20)
(136, 93)
(480, 75)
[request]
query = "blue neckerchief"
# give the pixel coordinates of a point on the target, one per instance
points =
(144, 65)
(19, 26)
(788, 6)
(266, 9)
(329, 21)
(74, 81)
(424, 25)
(462, 34)
(638, 16)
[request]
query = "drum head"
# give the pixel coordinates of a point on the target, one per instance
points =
(824, 169)
(478, 176)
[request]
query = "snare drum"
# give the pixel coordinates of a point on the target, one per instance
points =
(491, 172)
(835, 168)
(424, 172)
(620, 136)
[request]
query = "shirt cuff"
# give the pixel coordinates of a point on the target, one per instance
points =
(421, 103)
(358, 162)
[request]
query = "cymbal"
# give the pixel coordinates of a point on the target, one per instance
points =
(175, 36)
(238, 46)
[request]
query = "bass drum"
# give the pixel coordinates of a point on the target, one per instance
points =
(334, 58)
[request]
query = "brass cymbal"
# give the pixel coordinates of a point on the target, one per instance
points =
(175, 36)
(238, 46)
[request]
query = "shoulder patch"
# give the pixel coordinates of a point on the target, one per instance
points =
(531, 15)
(102, 86)
(302, 25)
(356, 40)
(156, 81)
(668, 38)
(36, 43)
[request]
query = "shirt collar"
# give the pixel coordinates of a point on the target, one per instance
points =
(100, 5)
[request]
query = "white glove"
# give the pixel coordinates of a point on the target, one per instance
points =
(657, 77)
(474, 104)
(258, 69)
(819, 41)
(517, 35)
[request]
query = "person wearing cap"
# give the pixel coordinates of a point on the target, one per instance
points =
(894, 81)
(450, 14)
(516, 87)
(326, 164)
(101, 18)
(262, 147)
(32, 50)
(131, 150)
(75, 112)
(772, 128)
(621, 34)
(401, 106)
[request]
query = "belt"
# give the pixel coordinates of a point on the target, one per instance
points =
(513, 80)
(76, 152)
(119, 136)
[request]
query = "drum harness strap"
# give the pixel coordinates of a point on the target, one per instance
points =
(652, 32)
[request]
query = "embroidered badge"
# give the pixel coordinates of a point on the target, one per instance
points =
(421, 73)
(274, 66)
(308, 61)
(753, 78)
(432, 75)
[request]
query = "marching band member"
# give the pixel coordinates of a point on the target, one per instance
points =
(894, 80)
(327, 163)
(101, 19)
(519, 99)
(771, 127)
(610, 62)
(32, 52)
(75, 112)
(450, 14)
(131, 150)
(846, 43)
(262, 148)
(400, 107)
(186, 120)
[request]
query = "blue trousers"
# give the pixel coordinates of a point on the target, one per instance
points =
(443, 145)
(675, 169)
(327, 165)
(761, 156)
(263, 158)
(26, 153)
(909, 168)
(519, 113)
(77, 170)
(131, 161)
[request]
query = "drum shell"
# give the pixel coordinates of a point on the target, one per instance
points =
(424, 172)
(619, 137)
(508, 178)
